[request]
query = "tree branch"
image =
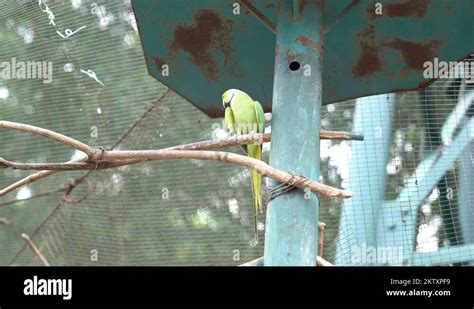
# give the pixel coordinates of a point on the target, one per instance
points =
(90, 151)
(322, 262)
(321, 227)
(32, 197)
(126, 157)
(35, 250)
(4, 221)
(102, 159)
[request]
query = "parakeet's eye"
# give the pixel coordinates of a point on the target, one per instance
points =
(226, 103)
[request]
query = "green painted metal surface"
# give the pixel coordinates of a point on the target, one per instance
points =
(368, 220)
(291, 236)
(358, 226)
(403, 211)
(209, 49)
(466, 202)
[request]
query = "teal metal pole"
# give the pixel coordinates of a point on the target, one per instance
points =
(291, 237)
(373, 115)
(466, 201)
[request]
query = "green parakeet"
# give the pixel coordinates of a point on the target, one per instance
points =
(243, 115)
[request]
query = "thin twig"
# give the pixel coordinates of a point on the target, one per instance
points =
(256, 262)
(31, 197)
(153, 105)
(322, 262)
(35, 249)
(4, 221)
(321, 227)
(29, 179)
(35, 232)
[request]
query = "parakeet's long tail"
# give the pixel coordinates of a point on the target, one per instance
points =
(256, 191)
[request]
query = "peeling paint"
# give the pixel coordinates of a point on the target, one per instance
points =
(204, 43)
(309, 43)
(157, 61)
(207, 34)
(290, 55)
(369, 60)
(302, 4)
(414, 54)
(409, 8)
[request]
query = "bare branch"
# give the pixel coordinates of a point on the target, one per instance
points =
(27, 180)
(322, 262)
(345, 136)
(258, 138)
(43, 174)
(256, 262)
(31, 197)
(90, 151)
(101, 159)
(35, 249)
(321, 227)
(113, 159)
(4, 221)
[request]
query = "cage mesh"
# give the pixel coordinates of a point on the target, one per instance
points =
(193, 212)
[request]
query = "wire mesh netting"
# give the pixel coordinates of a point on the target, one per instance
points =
(413, 198)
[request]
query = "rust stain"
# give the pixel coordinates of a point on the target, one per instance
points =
(423, 85)
(302, 4)
(414, 54)
(409, 8)
(158, 62)
(208, 33)
(270, 5)
(290, 55)
(369, 59)
(307, 42)
(370, 11)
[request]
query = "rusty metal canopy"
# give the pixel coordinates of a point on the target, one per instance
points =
(209, 49)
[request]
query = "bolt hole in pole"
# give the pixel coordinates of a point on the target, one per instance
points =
(294, 65)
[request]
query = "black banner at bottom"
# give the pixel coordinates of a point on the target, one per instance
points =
(319, 285)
